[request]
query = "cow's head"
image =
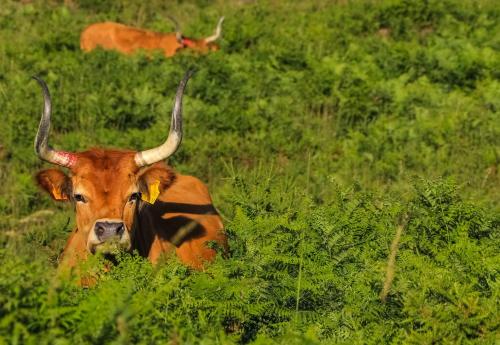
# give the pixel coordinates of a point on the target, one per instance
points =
(202, 45)
(107, 186)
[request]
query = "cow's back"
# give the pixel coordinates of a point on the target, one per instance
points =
(99, 35)
(182, 219)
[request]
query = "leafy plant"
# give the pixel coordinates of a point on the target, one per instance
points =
(316, 126)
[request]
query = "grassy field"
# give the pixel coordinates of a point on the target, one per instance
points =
(328, 132)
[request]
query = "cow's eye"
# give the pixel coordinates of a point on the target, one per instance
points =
(135, 197)
(79, 198)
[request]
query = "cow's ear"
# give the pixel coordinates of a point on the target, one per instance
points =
(154, 180)
(56, 183)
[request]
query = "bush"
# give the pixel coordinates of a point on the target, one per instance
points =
(317, 127)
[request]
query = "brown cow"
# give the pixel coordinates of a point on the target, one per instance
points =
(126, 39)
(128, 200)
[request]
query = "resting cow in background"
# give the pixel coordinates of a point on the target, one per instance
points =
(126, 39)
(128, 200)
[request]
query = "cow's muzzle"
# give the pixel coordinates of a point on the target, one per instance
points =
(108, 236)
(107, 230)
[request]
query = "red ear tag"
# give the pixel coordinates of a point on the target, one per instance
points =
(188, 43)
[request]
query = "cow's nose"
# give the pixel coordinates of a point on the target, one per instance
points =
(105, 230)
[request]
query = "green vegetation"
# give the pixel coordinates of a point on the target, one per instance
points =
(318, 126)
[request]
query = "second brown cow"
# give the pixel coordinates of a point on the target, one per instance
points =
(127, 39)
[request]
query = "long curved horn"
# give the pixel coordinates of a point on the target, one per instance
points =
(178, 33)
(174, 138)
(218, 30)
(42, 148)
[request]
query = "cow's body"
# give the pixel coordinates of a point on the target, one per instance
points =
(181, 220)
(132, 201)
(127, 39)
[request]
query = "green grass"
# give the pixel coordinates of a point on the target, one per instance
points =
(317, 127)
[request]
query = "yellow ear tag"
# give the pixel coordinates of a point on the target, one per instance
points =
(153, 191)
(56, 193)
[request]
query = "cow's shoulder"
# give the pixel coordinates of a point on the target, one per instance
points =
(187, 189)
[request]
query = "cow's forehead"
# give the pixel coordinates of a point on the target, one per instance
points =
(105, 170)
(106, 158)
(107, 181)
